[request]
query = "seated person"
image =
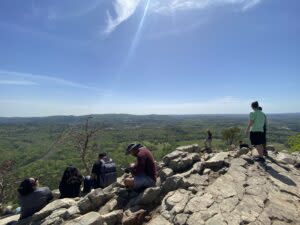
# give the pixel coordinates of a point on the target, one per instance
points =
(104, 173)
(32, 198)
(70, 183)
(144, 171)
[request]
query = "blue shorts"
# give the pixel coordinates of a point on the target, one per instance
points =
(143, 181)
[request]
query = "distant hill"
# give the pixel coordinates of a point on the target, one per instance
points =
(127, 118)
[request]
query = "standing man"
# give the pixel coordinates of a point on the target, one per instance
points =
(256, 128)
(143, 171)
(265, 134)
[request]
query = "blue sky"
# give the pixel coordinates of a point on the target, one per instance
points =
(148, 56)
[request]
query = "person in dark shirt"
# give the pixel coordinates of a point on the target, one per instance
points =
(70, 183)
(32, 198)
(144, 171)
(208, 139)
(104, 172)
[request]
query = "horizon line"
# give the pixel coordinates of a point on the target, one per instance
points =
(100, 114)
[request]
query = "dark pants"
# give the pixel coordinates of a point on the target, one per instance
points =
(87, 184)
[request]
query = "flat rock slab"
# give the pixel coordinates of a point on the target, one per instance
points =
(92, 218)
(9, 219)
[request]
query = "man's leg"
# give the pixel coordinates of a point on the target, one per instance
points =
(87, 184)
(260, 150)
(265, 144)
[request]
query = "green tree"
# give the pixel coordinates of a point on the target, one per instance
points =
(232, 135)
(294, 143)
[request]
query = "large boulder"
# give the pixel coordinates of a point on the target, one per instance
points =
(94, 200)
(221, 156)
(111, 205)
(112, 218)
(91, 218)
(189, 148)
(286, 158)
(180, 161)
(71, 212)
(165, 173)
(159, 220)
(51, 207)
(172, 183)
(174, 203)
(149, 196)
(240, 152)
(9, 219)
(85, 205)
(55, 217)
(134, 217)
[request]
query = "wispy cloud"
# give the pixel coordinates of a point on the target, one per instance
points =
(124, 9)
(170, 6)
(17, 82)
(34, 78)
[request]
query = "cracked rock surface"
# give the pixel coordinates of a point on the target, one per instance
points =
(194, 188)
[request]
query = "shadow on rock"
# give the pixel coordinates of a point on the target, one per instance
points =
(284, 179)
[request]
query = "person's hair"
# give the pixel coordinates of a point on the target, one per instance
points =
(255, 105)
(260, 108)
(26, 187)
(71, 175)
(102, 154)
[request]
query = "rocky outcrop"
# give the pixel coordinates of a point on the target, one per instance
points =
(193, 188)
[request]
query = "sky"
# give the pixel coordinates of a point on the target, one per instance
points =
(78, 57)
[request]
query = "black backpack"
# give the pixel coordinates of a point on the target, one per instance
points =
(108, 172)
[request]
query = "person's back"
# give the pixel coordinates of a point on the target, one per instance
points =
(145, 164)
(70, 189)
(70, 183)
(259, 121)
(34, 201)
(104, 172)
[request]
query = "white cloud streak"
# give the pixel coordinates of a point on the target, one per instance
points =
(18, 82)
(36, 77)
(170, 6)
(124, 9)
